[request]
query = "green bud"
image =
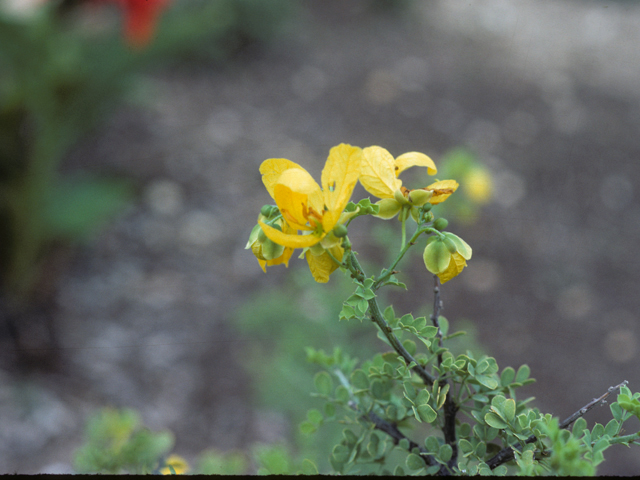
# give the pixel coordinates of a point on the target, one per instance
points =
(340, 231)
(262, 237)
(271, 250)
(420, 197)
(389, 208)
(266, 210)
(436, 257)
(427, 206)
(253, 236)
(440, 223)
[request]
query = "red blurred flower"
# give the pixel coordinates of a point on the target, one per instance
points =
(140, 18)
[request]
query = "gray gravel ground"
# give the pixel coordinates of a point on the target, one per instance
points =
(546, 93)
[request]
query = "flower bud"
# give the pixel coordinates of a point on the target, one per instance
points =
(389, 208)
(440, 223)
(436, 256)
(262, 237)
(419, 197)
(265, 211)
(340, 231)
(271, 250)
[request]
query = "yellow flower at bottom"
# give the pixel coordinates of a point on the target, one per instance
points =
(175, 462)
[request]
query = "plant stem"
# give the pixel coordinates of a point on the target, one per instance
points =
(506, 454)
(376, 316)
(386, 273)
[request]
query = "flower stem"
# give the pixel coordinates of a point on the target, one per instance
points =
(376, 316)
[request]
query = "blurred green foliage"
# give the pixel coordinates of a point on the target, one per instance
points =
(117, 443)
(59, 80)
(277, 324)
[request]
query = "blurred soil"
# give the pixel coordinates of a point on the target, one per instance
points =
(545, 92)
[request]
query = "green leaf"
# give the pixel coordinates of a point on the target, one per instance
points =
(578, 427)
(329, 410)
(523, 373)
(495, 421)
(360, 380)
(347, 312)
(444, 325)
(307, 428)
(410, 346)
(617, 411)
(350, 437)
(361, 306)
(427, 413)
(442, 396)
(378, 389)
(488, 381)
(611, 428)
(314, 416)
(465, 447)
(509, 409)
(445, 452)
(429, 331)
(508, 374)
(342, 394)
(309, 468)
(432, 444)
(340, 453)
(323, 383)
(414, 462)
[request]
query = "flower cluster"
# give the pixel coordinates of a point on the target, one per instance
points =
(311, 217)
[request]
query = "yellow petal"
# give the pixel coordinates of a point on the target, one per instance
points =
(455, 267)
(415, 159)
(292, 206)
(323, 265)
(442, 190)
(377, 173)
(339, 177)
(288, 240)
(272, 168)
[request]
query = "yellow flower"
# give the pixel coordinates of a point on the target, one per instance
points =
(379, 176)
(309, 208)
(446, 256)
(266, 251)
(176, 462)
(478, 185)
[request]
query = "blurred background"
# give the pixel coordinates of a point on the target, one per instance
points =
(129, 151)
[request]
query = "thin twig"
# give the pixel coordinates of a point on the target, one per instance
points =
(506, 454)
(450, 408)
(376, 316)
